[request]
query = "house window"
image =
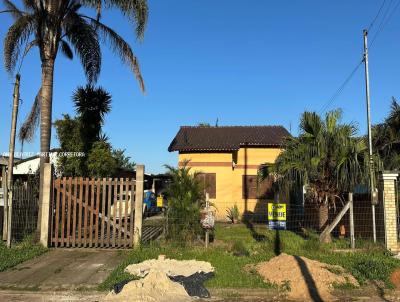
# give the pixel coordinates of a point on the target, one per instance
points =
(254, 188)
(209, 182)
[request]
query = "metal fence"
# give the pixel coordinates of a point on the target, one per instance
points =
(25, 208)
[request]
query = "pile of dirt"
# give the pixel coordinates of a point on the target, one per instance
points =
(395, 278)
(307, 280)
(171, 267)
(156, 286)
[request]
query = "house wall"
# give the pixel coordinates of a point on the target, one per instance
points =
(229, 177)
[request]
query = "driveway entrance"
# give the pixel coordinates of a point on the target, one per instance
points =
(62, 269)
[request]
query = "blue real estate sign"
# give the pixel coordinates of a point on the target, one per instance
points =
(277, 216)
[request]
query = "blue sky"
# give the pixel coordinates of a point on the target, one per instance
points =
(248, 62)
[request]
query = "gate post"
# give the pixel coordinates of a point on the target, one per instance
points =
(5, 200)
(46, 205)
(137, 235)
(389, 209)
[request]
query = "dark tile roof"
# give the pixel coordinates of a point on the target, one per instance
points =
(227, 138)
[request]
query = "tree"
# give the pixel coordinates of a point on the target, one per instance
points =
(69, 136)
(91, 106)
(123, 161)
(54, 26)
(386, 138)
(185, 198)
(100, 159)
(100, 162)
(326, 157)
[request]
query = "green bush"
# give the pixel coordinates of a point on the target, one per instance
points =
(185, 196)
(232, 214)
(239, 249)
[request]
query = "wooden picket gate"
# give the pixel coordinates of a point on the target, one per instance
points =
(93, 212)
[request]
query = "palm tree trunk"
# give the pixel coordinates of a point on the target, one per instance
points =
(46, 98)
(323, 216)
(323, 221)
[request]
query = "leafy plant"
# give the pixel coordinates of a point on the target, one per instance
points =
(239, 249)
(386, 138)
(327, 157)
(185, 199)
(232, 214)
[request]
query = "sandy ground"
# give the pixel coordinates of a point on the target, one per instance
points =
(155, 287)
(303, 278)
(171, 267)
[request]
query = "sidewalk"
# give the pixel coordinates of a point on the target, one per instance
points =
(62, 269)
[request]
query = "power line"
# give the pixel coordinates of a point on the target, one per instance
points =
(341, 88)
(381, 26)
(384, 22)
(377, 15)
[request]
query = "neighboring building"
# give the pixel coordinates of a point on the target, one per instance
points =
(229, 159)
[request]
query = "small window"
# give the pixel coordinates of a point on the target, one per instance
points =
(254, 188)
(209, 181)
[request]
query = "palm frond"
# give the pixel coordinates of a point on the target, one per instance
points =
(17, 35)
(13, 9)
(136, 11)
(66, 49)
(85, 41)
(28, 128)
(121, 48)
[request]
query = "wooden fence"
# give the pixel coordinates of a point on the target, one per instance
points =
(93, 212)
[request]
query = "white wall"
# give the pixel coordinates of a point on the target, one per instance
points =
(32, 165)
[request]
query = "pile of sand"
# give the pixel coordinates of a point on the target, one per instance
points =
(171, 267)
(308, 280)
(156, 286)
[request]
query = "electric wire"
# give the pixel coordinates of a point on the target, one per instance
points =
(384, 21)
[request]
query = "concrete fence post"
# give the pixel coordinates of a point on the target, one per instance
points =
(390, 210)
(5, 200)
(45, 222)
(351, 210)
(138, 205)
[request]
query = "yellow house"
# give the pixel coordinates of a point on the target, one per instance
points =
(229, 159)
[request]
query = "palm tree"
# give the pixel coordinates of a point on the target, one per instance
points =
(59, 26)
(91, 105)
(185, 195)
(326, 157)
(386, 138)
(56, 25)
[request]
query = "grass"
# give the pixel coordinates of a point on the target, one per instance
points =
(10, 257)
(257, 244)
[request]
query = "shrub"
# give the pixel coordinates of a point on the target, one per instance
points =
(185, 199)
(232, 214)
(239, 249)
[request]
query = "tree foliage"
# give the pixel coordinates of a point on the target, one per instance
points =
(386, 138)
(91, 106)
(122, 160)
(100, 161)
(83, 134)
(185, 199)
(62, 26)
(326, 156)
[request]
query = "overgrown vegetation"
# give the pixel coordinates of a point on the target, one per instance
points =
(236, 248)
(386, 138)
(327, 157)
(185, 196)
(18, 253)
(83, 134)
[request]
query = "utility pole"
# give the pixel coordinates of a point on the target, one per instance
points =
(11, 156)
(371, 168)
